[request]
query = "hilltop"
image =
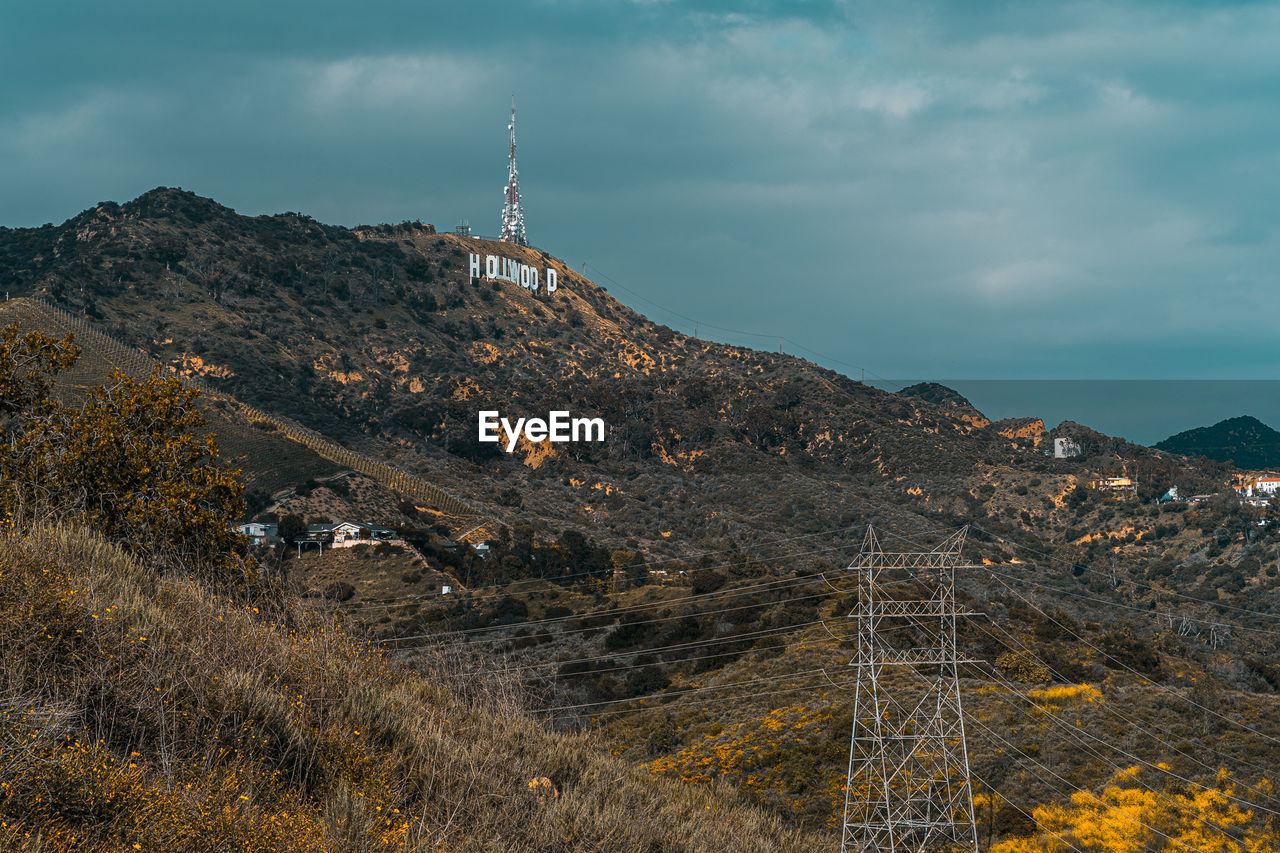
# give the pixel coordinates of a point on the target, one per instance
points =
(1244, 441)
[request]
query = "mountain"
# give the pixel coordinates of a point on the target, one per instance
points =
(376, 338)
(1244, 441)
(649, 587)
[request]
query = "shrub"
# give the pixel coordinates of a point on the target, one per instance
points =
(708, 581)
(142, 712)
(129, 462)
(1023, 666)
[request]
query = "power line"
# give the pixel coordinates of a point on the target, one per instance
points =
(1088, 794)
(1138, 727)
(1136, 583)
(729, 593)
(682, 692)
(664, 561)
(596, 628)
(689, 645)
(1119, 604)
(1135, 672)
(1025, 813)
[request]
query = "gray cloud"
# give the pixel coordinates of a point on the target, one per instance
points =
(927, 189)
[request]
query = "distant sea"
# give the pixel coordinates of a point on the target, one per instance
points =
(1142, 411)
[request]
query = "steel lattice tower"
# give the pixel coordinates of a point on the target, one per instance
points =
(908, 788)
(512, 212)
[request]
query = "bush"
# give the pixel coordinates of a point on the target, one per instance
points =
(708, 581)
(1023, 666)
(1126, 650)
(129, 462)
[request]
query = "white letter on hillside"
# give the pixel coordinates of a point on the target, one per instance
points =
(475, 266)
(513, 435)
(488, 423)
(491, 266)
(559, 426)
(588, 426)
(551, 280)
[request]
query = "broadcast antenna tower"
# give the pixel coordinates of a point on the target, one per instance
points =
(512, 213)
(908, 789)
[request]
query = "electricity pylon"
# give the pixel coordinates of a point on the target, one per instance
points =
(908, 789)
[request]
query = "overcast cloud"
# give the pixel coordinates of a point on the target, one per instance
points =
(1026, 190)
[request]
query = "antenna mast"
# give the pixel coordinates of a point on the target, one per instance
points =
(512, 212)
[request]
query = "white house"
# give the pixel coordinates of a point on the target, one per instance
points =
(257, 532)
(344, 534)
(1267, 485)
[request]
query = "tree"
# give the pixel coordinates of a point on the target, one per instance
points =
(28, 363)
(291, 527)
(625, 561)
(128, 463)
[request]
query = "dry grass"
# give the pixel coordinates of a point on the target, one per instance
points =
(145, 713)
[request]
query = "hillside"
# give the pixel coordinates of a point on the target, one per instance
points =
(1245, 441)
(279, 458)
(375, 338)
(154, 715)
(678, 588)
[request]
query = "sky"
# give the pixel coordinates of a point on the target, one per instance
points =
(957, 191)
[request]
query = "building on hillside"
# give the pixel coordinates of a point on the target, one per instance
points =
(345, 534)
(1121, 486)
(258, 532)
(1065, 448)
(1264, 484)
(1171, 495)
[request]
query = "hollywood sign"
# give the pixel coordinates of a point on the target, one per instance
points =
(505, 269)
